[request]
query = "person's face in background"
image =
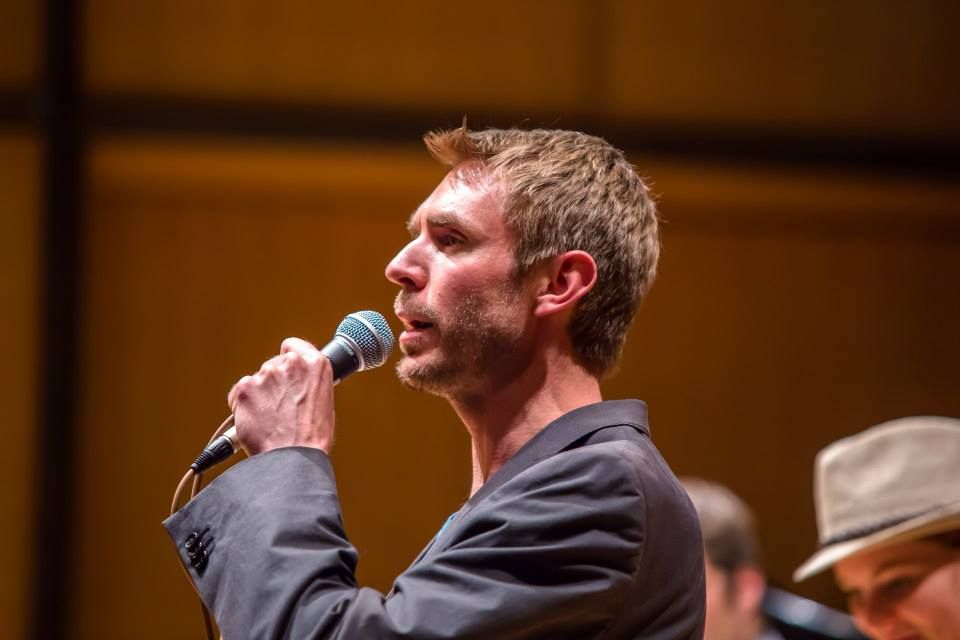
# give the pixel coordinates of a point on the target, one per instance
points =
(907, 591)
(733, 602)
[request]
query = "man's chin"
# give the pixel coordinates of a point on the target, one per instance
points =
(422, 375)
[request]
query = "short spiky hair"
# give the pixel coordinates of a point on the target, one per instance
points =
(564, 191)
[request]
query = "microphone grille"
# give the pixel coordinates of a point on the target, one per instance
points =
(370, 331)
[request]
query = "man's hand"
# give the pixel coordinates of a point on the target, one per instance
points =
(287, 403)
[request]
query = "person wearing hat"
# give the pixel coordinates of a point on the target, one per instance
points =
(888, 516)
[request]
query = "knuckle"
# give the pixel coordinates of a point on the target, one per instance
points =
(240, 389)
(291, 364)
(297, 345)
(323, 366)
(271, 366)
(294, 359)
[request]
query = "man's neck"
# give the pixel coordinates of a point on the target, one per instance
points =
(506, 417)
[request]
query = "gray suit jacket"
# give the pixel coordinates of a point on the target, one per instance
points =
(583, 533)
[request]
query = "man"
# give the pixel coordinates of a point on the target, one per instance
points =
(524, 270)
(888, 515)
(735, 578)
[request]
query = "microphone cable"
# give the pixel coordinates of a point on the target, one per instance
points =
(196, 475)
(362, 341)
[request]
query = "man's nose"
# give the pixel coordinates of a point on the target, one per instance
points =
(407, 269)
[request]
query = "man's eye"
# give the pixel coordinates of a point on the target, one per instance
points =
(884, 595)
(447, 240)
(897, 588)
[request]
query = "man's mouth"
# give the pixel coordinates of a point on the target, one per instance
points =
(415, 333)
(412, 323)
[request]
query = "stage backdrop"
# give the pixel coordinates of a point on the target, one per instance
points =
(248, 173)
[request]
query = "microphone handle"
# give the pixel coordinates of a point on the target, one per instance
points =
(342, 353)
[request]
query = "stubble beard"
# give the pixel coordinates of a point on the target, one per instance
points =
(475, 342)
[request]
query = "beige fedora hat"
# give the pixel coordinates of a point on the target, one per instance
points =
(894, 482)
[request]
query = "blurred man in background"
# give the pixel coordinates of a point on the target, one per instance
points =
(888, 516)
(734, 574)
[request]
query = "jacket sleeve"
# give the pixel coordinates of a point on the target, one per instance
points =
(550, 554)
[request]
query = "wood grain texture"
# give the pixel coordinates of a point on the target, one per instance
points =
(784, 317)
(855, 66)
(410, 54)
(19, 246)
(19, 43)
(852, 68)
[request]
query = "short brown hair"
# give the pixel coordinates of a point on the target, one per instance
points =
(564, 191)
(727, 523)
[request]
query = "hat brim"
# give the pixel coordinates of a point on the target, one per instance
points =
(939, 521)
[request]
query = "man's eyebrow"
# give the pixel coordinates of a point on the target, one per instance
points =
(433, 220)
(898, 563)
(413, 224)
(443, 220)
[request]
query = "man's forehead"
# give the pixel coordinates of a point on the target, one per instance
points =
(457, 198)
(873, 562)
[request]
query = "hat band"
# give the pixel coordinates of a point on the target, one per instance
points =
(865, 530)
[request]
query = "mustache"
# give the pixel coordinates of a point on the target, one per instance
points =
(404, 304)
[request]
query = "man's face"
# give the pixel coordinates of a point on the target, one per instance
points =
(907, 591)
(463, 312)
(731, 615)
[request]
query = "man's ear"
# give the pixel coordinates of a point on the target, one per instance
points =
(568, 277)
(750, 585)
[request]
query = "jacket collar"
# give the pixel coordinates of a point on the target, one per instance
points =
(563, 432)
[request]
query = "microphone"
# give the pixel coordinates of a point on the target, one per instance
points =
(362, 341)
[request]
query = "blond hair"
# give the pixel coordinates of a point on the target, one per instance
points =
(564, 191)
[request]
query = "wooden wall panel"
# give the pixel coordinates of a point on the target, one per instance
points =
(19, 186)
(19, 47)
(201, 261)
(850, 67)
(415, 54)
(791, 310)
(855, 66)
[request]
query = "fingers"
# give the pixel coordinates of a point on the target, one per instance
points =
(236, 391)
(300, 351)
(280, 364)
(275, 367)
(298, 345)
(296, 355)
(287, 402)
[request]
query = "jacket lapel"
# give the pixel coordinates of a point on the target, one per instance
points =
(566, 431)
